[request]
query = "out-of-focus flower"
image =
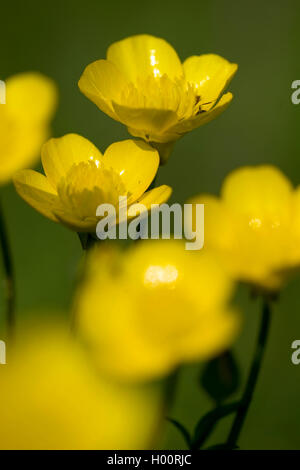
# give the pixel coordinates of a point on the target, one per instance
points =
(24, 121)
(51, 398)
(143, 84)
(146, 311)
(255, 226)
(79, 178)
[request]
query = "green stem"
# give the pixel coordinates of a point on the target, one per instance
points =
(9, 276)
(208, 422)
(86, 240)
(170, 390)
(252, 378)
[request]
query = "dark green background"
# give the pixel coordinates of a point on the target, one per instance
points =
(59, 38)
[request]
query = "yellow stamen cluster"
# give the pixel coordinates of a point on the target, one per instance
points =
(88, 184)
(175, 95)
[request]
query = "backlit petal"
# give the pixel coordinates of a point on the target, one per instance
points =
(87, 225)
(58, 155)
(202, 118)
(154, 196)
(136, 162)
(143, 56)
(210, 74)
(149, 121)
(35, 189)
(102, 82)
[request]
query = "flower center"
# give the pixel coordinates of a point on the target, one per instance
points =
(162, 93)
(86, 186)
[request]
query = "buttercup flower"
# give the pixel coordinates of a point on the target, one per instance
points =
(255, 226)
(24, 121)
(51, 398)
(143, 84)
(79, 178)
(146, 311)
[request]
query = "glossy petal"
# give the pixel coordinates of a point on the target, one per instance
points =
(202, 118)
(144, 55)
(102, 82)
(157, 195)
(136, 162)
(88, 225)
(210, 74)
(35, 189)
(58, 155)
(149, 121)
(31, 97)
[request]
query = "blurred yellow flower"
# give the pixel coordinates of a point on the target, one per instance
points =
(79, 178)
(255, 225)
(24, 121)
(143, 84)
(146, 311)
(51, 398)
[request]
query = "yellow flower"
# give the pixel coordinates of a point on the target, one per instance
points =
(154, 307)
(143, 84)
(79, 178)
(255, 225)
(24, 121)
(51, 398)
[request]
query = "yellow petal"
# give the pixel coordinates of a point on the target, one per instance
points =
(143, 55)
(258, 191)
(202, 118)
(31, 97)
(210, 74)
(148, 120)
(20, 149)
(217, 334)
(172, 306)
(48, 416)
(102, 82)
(87, 225)
(215, 220)
(58, 155)
(154, 196)
(35, 189)
(136, 162)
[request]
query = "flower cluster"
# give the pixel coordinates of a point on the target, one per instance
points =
(143, 84)
(255, 226)
(140, 312)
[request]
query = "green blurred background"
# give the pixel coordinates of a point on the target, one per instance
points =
(59, 38)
